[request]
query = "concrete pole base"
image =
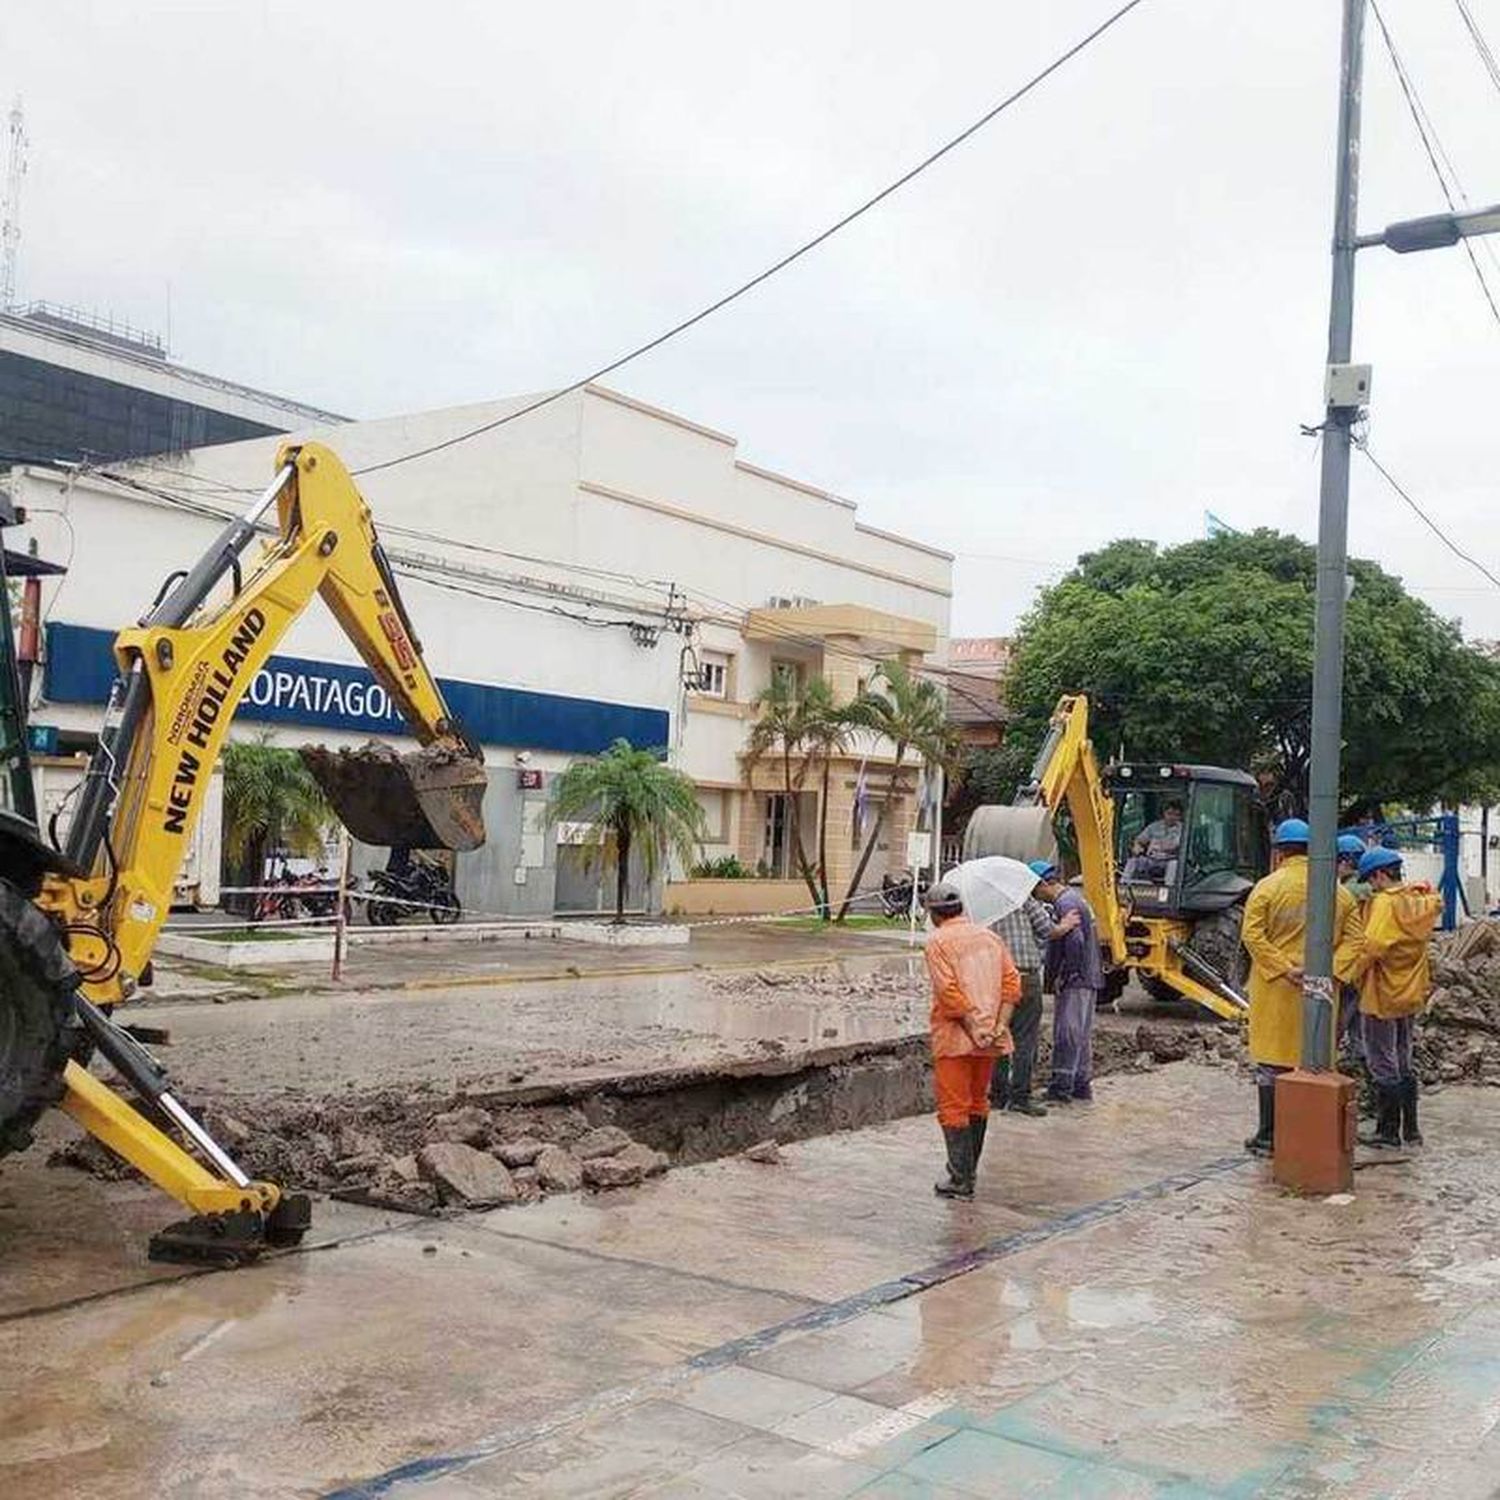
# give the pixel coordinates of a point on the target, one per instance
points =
(1317, 1122)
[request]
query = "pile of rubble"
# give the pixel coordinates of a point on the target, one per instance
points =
(1458, 1036)
(418, 1161)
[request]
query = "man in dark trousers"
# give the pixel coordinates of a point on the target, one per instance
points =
(1075, 975)
(1026, 932)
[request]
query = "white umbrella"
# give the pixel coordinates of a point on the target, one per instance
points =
(992, 887)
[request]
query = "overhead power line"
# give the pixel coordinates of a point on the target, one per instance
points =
(1425, 519)
(1486, 55)
(1437, 155)
(786, 260)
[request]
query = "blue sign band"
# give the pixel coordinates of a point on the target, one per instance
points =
(80, 668)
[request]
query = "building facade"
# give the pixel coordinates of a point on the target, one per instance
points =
(596, 569)
(75, 388)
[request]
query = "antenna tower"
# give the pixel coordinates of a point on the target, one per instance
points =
(10, 218)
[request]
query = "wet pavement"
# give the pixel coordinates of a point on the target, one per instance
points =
(1128, 1308)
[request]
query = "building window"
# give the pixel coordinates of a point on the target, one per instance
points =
(789, 673)
(714, 674)
(715, 805)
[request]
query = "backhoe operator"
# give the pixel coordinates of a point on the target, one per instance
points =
(1156, 846)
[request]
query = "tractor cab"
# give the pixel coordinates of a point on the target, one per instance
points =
(1188, 840)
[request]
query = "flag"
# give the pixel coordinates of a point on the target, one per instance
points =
(1213, 526)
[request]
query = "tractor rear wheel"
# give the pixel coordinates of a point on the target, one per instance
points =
(37, 1032)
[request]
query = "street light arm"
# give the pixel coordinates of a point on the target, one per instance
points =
(1434, 232)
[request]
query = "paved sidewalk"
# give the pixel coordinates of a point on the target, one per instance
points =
(1128, 1308)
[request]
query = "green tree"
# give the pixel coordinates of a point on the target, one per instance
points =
(270, 802)
(780, 730)
(1203, 652)
(635, 801)
(910, 713)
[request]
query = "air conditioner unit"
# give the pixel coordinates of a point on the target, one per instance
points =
(778, 601)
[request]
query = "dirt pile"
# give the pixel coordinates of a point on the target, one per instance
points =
(1458, 1035)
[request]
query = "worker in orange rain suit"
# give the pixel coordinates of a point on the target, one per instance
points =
(1395, 979)
(975, 988)
(1274, 931)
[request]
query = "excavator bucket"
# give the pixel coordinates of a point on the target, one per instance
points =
(425, 799)
(1023, 833)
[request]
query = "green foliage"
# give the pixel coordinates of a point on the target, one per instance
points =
(727, 867)
(1203, 652)
(633, 800)
(911, 713)
(270, 801)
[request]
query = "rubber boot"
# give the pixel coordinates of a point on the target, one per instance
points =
(1000, 1085)
(1264, 1139)
(1387, 1132)
(1411, 1132)
(959, 1183)
(978, 1124)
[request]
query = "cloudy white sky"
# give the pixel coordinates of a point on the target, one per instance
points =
(1103, 315)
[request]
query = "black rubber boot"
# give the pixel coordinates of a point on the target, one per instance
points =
(1387, 1132)
(1264, 1139)
(959, 1183)
(1000, 1085)
(1411, 1132)
(978, 1124)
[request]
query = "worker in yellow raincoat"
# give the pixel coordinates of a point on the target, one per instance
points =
(1274, 933)
(1395, 980)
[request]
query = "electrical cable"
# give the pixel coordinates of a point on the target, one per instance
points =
(806, 247)
(1422, 515)
(1433, 146)
(1486, 55)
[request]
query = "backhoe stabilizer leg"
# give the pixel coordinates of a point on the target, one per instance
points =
(232, 1222)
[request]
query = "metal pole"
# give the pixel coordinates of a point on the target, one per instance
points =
(338, 911)
(1333, 525)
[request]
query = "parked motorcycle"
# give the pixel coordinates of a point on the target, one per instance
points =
(895, 892)
(425, 890)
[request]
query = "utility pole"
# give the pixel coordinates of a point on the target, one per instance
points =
(1345, 390)
(10, 211)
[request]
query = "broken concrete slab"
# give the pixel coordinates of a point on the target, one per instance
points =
(559, 1171)
(465, 1176)
(613, 1172)
(468, 1124)
(521, 1153)
(604, 1140)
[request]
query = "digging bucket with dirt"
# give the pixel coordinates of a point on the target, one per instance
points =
(431, 798)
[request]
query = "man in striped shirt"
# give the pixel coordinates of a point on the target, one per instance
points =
(1026, 932)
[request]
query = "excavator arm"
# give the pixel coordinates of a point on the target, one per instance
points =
(183, 674)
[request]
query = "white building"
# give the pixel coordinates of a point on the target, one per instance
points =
(597, 568)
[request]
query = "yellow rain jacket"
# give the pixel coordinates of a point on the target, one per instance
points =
(1274, 934)
(1397, 975)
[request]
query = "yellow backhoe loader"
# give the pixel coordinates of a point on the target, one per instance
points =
(78, 923)
(1174, 919)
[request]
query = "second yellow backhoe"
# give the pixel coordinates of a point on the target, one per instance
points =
(1169, 912)
(78, 923)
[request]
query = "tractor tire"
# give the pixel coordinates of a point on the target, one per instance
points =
(1216, 940)
(38, 1035)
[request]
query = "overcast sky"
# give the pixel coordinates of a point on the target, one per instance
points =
(1103, 315)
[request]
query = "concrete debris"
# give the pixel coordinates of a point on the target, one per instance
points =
(612, 1172)
(405, 1167)
(468, 1125)
(652, 1163)
(522, 1153)
(1458, 1036)
(767, 1153)
(352, 1142)
(604, 1140)
(559, 1171)
(233, 1133)
(465, 1176)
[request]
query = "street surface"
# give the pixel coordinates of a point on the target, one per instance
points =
(1128, 1308)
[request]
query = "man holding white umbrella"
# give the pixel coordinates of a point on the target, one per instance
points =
(1000, 893)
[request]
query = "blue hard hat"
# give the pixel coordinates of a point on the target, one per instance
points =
(1351, 846)
(1377, 859)
(1042, 869)
(1292, 831)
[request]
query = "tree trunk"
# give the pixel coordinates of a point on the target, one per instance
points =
(823, 901)
(864, 859)
(255, 866)
(794, 825)
(622, 871)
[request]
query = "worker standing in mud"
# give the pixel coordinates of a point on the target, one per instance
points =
(1395, 980)
(1351, 850)
(1026, 932)
(975, 988)
(1275, 934)
(1075, 975)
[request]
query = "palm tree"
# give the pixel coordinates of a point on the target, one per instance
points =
(827, 730)
(781, 729)
(911, 713)
(270, 801)
(634, 801)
